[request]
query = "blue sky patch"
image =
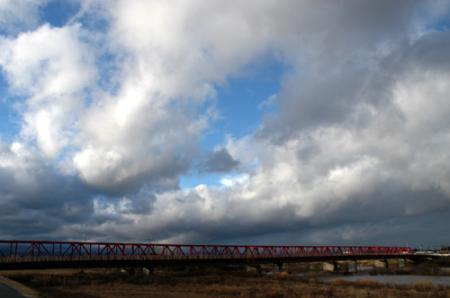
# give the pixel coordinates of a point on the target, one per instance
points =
(239, 99)
(58, 13)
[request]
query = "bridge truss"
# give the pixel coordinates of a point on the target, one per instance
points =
(59, 252)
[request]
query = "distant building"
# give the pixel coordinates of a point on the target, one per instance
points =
(445, 249)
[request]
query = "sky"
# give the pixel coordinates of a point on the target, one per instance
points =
(208, 121)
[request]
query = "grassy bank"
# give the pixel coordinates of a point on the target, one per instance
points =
(208, 283)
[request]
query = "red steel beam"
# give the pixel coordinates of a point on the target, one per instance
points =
(24, 250)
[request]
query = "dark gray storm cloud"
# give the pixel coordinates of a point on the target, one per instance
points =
(36, 199)
(344, 60)
(219, 161)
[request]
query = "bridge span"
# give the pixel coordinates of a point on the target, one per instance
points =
(24, 254)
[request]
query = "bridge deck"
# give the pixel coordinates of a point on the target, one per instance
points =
(58, 254)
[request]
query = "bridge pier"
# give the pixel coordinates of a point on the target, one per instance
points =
(380, 263)
(350, 266)
(128, 270)
(280, 266)
(355, 264)
(328, 267)
(254, 267)
(277, 267)
(147, 271)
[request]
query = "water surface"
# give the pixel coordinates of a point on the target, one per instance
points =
(394, 279)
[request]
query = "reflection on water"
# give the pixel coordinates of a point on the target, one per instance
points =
(394, 279)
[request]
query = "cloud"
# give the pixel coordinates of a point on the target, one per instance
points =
(19, 14)
(37, 199)
(339, 152)
(219, 161)
(356, 145)
(53, 80)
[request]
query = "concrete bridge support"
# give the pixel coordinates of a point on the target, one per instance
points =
(255, 268)
(147, 271)
(342, 266)
(277, 267)
(354, 267)
(329, 267)
(380, 264)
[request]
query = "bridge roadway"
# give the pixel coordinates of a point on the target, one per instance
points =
(20, 254)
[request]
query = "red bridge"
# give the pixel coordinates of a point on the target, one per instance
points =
(16, 254)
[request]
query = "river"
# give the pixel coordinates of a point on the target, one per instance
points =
(394, 279)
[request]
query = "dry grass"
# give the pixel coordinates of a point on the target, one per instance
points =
(206, 283)
(214, 282)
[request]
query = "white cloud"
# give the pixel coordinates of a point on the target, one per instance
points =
(375, 154)
(21, 14)
(50, 67)
(166, 71)
(362, 121)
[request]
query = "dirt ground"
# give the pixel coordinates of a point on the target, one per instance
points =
(187, 282)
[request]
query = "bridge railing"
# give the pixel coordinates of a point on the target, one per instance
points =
(34, 251)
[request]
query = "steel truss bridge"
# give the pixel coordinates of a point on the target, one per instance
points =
(19, 254)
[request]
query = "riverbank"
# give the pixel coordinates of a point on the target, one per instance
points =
(101, 283)
(11, 288)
